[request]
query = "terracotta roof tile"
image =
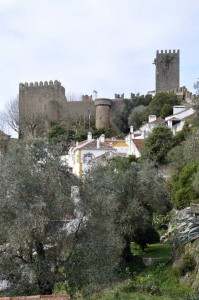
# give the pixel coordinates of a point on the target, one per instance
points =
(139, 143)
(158, 121)
(107, 145)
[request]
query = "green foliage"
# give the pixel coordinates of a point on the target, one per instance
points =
(155, 251)
(158, 145)
(162, 105)
(129, 193)
(59, 135)
(147, 236)
(161, 221)
(122, 120)
(61, 288)
(122, 163)
(108, 132)
(135, 118)
(188, 264)
(121, 117)
(163, 280)
(184, 160)
(35, 197)
(179, 137)
(155, 283)
(182, 188)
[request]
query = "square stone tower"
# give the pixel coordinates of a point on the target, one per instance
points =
(167, 70)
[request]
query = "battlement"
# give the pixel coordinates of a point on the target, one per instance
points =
(119, 96)
(186, 95)
(87, 98)
(56, 83)
(182, 89)
(103, 102)
(168, 51)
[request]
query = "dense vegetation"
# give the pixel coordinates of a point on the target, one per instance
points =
(137, 110)
(119, 210)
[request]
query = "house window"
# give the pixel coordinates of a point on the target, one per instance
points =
(88, 157)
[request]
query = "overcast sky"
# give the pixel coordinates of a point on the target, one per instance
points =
(103, 45)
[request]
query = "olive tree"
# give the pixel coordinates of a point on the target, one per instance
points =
(126, 195)
(35, 199)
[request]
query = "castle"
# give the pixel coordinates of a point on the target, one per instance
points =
(43, 104)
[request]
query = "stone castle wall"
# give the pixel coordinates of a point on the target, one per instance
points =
(39, 105)
(44, 103)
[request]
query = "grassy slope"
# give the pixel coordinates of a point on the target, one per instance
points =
(157, 282)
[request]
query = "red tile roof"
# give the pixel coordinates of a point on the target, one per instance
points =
(139, 143)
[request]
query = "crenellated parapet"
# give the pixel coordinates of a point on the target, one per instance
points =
(87, 98)
(184, 94)
(119, 96)
(36, 84)
(168, 51)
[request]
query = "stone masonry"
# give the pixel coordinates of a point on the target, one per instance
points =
(167, 70)
(43, 104)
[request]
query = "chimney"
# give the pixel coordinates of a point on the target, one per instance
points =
(178, 108)
(131, 133)
(89, 137)
(152, 118)
(102, 138)
(98, 143)
(94, 95)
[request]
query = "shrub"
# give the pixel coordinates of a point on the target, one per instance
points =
(188, 264)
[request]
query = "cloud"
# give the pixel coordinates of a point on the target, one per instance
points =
(108, 45)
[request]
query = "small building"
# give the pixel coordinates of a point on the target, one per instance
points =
(135, 147)
(81, 156)
(153, 122)
(180, 114)
(135, 143)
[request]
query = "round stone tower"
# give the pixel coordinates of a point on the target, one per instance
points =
(102, 113)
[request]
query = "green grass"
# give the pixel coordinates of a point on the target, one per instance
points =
(127, 291)
(154, 251)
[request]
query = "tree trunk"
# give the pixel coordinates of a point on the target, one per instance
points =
(43, 271)
(126, 253)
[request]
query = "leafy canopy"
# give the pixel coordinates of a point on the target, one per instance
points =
(162, 105)
(158, 144)
(35, 198)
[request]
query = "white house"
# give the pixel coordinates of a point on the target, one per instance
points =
(80, 156)
(135, 147)
(153, 122)
(180, 114)
(135, 142)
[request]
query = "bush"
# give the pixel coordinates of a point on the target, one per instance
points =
(188, 264)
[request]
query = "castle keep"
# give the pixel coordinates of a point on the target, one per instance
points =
(43, 104)
(167, 70)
